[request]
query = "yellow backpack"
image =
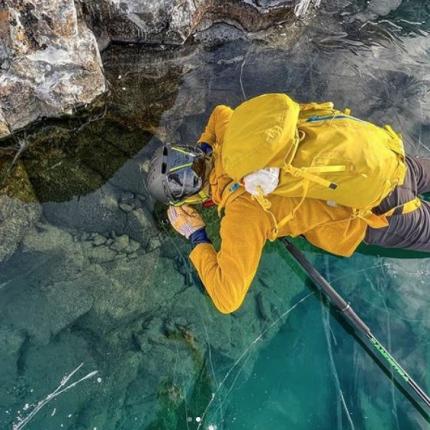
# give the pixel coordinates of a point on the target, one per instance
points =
(323, 153)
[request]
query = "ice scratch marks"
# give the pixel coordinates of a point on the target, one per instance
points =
(326, 324)
(241, 74)
(348, 275)
(327, 328)
(209, 352)
(233, 384)
(379, 289)
(243, 357)
(21, 422)
(220, 408)
(325, 314)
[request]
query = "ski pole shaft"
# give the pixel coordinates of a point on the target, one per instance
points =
(385, 358)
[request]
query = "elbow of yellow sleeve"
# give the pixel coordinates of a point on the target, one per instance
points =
(228, 305)
(227, 309)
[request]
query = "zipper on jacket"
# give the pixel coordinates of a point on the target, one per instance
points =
(325, 117)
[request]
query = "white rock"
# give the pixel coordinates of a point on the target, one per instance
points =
(55, 64)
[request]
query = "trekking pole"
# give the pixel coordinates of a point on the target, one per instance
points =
(376, 348)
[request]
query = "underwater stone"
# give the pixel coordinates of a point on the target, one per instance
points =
(16, 218)
(11, 342)
(141, 218)
(97, 211)
(127, 197)
(58, 244)
(133, 246)
(85, 236)
(66, 302)
(19, 209)
(124, 291)
(100, 254)
(98, 239)
(121, 243)
(154, 243)
(139, 226)
(125, 207)
(262, 307)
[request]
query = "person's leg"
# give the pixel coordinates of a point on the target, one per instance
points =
(417, 181)
(412, 230)
(420, 168)
(403, 193)
(408, 231)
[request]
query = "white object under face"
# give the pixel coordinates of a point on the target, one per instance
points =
(264, 179)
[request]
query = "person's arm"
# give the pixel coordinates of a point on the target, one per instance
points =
(216, 126)
(227, 275)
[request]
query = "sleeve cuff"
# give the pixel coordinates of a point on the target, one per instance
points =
(199, 236)
(206, 148)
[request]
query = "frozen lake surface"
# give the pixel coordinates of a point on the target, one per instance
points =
(103, 323)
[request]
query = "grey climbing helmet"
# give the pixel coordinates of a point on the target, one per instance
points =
(175, 173)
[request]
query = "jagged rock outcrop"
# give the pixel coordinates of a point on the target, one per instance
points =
(173, 21)
(50, 63)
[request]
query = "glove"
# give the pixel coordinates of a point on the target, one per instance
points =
(185, 220)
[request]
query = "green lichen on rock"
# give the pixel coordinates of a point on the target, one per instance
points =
(14, 181)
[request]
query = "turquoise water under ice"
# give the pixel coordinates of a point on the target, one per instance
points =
(99, 281)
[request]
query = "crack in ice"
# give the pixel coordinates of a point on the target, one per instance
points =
(62, 388)
(245, 352)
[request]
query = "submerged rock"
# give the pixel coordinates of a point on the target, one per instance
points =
(98, 239)
(50, 62)
(19, 209)
(16, 217)
(125, 207)
(121, 243)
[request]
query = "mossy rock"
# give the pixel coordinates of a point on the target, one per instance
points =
(14, 181)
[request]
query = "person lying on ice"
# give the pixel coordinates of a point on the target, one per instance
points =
(278, 168)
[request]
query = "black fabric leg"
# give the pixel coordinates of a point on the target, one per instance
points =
(412, 230)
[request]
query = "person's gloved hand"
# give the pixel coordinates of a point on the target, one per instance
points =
(185, 220)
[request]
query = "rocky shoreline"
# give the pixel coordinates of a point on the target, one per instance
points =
(49, 51)
(109, 104)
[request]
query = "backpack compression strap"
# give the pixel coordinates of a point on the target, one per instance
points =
(307, 173)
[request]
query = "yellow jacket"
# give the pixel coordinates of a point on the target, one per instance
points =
(245, 228)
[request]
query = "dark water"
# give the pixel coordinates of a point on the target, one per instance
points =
(99, 280)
